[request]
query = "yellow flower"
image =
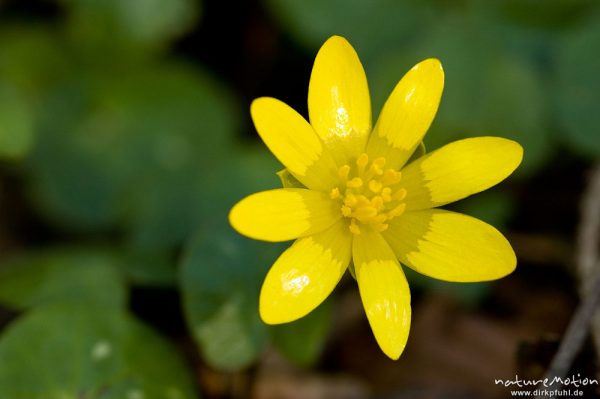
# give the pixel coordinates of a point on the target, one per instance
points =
(362, 203)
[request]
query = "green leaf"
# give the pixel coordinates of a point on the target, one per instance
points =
(549, 14)
(256, 168)
(33, 58)
(488, 91)
(578, 88)
(76, 351)
(133, 147)
(62, 276)
(129, 26)
(176, 204)
(370, 25)
(148, 267)
(232, 337)
(303, 340)
(222, 272)
(220, 281)
(16, 124)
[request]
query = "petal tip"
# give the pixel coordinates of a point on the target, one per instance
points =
(270, 314)
(393, 346)
(258, 104)
(431, 64)
(520, 152)
(267, 312)
(254, 103)
(394, 353)
(233, 216)
(268, 318)
(511, 262)
(336, 40)
(337, 46)
(507, 264)
(512, 149)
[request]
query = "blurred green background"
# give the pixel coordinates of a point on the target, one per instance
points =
(125, 138)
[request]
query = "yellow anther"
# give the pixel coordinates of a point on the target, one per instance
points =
(335, 193)
(377, 166)
(350, 200)
(391, 177)
(375, 186)
(367, 194)
(354, 229)
(355, 183)
(364, 213)
(361, 162)
(361, 200)
(343, 172)
(346, 211)
(399, 195)
(380, 218)
(379, 162)
(386, 194)
(381, 227)
(397, 211)
(377, 202)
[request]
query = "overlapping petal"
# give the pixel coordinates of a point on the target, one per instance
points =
(450, 246)
(458, 170)
(384, 291)
(305, 274)
(339, 104)
(283, 214)
(294, 142)
(407, 114)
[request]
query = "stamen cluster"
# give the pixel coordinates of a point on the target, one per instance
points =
(369, 194)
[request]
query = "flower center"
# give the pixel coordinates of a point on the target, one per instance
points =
(369, 194)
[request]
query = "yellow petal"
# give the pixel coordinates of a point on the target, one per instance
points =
(283, 214)
(339, 105)
(458, 170)
(305, 274)
(384, 291)
(407, 114)
(294, 142)
(450, 246)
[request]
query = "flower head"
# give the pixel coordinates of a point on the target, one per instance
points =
(356, 201)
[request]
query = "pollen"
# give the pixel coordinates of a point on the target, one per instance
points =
(369, 194)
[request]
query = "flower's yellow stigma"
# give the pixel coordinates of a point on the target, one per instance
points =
(369, 194)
